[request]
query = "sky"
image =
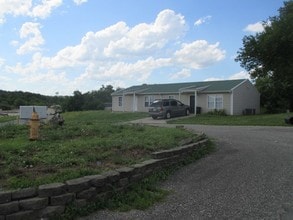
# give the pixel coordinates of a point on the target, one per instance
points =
(55, 47)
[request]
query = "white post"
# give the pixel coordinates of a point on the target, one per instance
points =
(123, 97)
(232, 104)
(195, 101)
(133, 102)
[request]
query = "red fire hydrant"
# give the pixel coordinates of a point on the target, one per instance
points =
(34, 124)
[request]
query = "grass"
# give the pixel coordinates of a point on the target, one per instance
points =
(89, 143)
(7, 118)
(140, 195)
(241, 120)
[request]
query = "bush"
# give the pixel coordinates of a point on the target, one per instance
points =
(217, 112)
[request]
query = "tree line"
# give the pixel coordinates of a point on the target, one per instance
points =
(93, 100)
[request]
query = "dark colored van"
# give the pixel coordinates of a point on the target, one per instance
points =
(167, 108)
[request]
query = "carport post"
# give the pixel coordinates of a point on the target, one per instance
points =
(195, 101)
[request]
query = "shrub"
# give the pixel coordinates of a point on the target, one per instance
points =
(217, 112)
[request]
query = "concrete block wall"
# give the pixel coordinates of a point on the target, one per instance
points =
(50, 200)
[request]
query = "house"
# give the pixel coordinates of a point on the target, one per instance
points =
(236, 97)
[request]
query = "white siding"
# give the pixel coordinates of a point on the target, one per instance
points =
(202, 101)
(244, 96)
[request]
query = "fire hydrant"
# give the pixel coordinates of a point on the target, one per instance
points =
(34, 124)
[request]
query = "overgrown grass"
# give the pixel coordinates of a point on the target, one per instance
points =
(88, 143)
(7, 118)
(244, 120)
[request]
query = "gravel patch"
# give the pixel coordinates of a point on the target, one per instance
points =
(250, 176)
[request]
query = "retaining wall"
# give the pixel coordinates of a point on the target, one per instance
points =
(50, 200)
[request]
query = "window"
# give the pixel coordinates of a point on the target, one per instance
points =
(120, 101)
(148, 100)
(173, 103)
(171, 97)
(215, 102)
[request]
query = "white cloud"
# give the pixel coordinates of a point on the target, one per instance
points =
(120, 54)
(45, 9)
(184, 73)
(254, 28)
(30, 8)
(14, 7)
(31, 32)
(240, 75)
(202, 20)
(213, 79)
(2, 61)
(147, 38)
(79, 2)
(199, 54)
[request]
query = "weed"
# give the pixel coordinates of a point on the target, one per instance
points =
(95, 140)
(140, 195)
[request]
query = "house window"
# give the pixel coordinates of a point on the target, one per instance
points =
(120, 101)
(148, 100)
(215, 102)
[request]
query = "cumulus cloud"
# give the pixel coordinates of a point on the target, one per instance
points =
(31, 32)
(199, 54)
(240, 75)
(202, 20)
(118, 53)
(254, 28)
(184, 73)
(44, 9)
(145, 38)
(30, 8)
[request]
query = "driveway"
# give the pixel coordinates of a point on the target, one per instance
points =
(250, 176)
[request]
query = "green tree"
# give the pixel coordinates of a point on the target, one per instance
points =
(268, 57)
(75, 102)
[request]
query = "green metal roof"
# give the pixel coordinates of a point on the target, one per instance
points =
(202, 87)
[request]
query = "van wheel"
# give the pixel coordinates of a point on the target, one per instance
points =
(154, 117)
(168, 115)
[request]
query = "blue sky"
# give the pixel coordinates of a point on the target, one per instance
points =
(59, 46)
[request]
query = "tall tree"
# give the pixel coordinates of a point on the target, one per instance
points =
(268, 57)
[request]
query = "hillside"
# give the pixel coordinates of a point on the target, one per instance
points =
(93, 100)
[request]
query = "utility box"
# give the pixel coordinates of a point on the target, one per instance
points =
(25, 113)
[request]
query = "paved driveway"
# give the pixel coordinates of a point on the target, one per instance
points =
(250, 176)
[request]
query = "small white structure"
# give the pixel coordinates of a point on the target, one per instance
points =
(25, 113)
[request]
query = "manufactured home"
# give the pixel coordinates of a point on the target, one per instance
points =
(235, 97)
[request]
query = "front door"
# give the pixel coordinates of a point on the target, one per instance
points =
(191, 101)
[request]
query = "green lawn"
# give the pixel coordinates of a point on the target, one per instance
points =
(89, 143)
(7, 118)
(245, 120)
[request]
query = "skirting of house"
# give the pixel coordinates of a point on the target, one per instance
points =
(50, 200)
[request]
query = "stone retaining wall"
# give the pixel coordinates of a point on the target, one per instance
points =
(50, 200)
